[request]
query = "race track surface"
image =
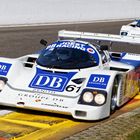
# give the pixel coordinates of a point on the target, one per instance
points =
(15, 42)
(34, 125)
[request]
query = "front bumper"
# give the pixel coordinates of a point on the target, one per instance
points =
(49, 103)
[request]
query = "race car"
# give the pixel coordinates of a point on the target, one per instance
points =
(132, 29)
(70, 76)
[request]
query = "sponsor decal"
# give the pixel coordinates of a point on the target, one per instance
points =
(33, 96)
(98, 81)
(39, 98)
(54, 105)
(51, 81)
(131, 86)
(43, 91)
(4, 68)
(67, 44)
(75, 45)
(90, 50)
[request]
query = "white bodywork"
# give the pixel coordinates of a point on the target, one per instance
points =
(131, 29)
(32, 86)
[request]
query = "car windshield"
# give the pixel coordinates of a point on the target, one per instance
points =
(138, 23)
(66, 58)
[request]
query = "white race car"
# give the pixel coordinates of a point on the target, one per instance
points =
(132, 29)
(72, 77)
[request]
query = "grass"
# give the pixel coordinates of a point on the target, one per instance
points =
(135, 135)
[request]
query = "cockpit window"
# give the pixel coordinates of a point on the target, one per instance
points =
(138, 23)
(66, 58)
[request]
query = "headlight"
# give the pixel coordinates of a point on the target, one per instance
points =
(88, 97)
(2, 84)
(93, 97)
(99, 99)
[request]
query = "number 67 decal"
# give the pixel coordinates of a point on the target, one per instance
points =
(71, 88)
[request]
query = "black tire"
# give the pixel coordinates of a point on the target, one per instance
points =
(113, 102)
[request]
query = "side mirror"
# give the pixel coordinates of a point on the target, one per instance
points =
(104, 47)
(43, 42)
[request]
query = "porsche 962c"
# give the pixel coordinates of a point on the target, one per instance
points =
(70, 76)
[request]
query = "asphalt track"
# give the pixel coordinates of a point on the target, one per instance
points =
(34, 125)
(15, 42)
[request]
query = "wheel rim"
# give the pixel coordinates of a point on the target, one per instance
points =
(114, 96)
(113, 102)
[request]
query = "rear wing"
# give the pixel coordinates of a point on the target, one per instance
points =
(98, 36)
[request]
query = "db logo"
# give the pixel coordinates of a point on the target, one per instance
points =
(98, 81)
(2, 67)
(49, 82)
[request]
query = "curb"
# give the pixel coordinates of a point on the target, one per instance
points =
(115, 129)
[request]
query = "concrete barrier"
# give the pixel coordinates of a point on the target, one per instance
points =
(13, 12)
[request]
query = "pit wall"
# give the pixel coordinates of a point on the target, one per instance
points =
(16, 12)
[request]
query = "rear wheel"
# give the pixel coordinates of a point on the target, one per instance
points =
(113, 103)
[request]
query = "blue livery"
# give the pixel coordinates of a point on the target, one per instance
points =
(135, 63)
(4, 68)
(98, 81)
(51, 81)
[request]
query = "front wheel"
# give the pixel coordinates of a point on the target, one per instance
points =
(113, 102)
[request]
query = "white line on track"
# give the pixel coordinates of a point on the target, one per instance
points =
(64, 23)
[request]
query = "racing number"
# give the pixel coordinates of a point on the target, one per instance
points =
(71, 88)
